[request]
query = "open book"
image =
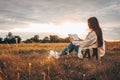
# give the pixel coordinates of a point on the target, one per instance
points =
(74, 36)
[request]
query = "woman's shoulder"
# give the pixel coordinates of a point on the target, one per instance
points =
(92, 33)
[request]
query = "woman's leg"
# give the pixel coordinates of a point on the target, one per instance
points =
(69, 49)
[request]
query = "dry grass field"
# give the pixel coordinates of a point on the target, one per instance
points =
(31, 62)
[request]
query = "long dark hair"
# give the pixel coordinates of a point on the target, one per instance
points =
(94, 25)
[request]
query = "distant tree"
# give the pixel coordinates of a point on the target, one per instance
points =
(10, 36)
(54, 38)
(66, 39)
(10, 39)
(28, 41)
(46, 40)
(1, 40)
(60, 40)
(35, 38)
(63, 39)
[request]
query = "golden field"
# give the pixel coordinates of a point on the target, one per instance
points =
(31, 62)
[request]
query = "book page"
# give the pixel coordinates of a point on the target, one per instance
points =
(74, 36)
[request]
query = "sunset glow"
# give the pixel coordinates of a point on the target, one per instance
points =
(63, 28)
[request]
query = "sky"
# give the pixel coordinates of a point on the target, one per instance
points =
(29, 17)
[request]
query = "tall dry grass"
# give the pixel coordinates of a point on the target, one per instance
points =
(31, 62)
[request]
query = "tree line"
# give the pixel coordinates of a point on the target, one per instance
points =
(11, 39)
(46, 39)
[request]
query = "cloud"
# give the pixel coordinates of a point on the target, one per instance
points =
(21, 13)
(111, 33)
(51, 10)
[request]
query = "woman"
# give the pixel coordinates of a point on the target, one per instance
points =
(94, 39)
